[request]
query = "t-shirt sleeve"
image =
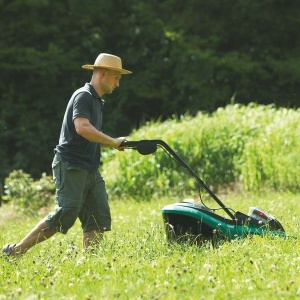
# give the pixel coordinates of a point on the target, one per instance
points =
(82, 106)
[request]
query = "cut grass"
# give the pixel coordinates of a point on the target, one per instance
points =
(134, 261)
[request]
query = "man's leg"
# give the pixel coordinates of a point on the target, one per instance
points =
(92, 238)
(35, 236)
(95, 213)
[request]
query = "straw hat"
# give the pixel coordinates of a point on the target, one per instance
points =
(109, 62)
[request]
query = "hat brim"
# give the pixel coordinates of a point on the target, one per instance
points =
(92, 67)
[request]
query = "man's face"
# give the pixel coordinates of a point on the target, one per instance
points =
(110, 81)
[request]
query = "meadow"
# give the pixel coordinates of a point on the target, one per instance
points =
(135, 261)
(247, 155)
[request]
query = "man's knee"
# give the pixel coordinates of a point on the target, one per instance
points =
(62, 219)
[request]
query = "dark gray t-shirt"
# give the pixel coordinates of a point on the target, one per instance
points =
(72, 147)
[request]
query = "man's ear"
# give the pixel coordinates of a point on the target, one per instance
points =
(103, 71)
(99, 72)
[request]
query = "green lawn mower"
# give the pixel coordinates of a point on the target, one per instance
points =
(188, 221)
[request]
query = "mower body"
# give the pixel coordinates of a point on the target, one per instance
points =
(189, 221)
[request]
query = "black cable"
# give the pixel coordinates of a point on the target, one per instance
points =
(212, 209)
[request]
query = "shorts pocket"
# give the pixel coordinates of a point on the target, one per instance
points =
(57, 174)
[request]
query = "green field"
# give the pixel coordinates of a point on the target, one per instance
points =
(135, 261)
(248, 155)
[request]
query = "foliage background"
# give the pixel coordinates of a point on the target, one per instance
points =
(189, 56)
(239, 148)
(246, 148)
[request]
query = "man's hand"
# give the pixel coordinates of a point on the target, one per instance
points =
(121, 139)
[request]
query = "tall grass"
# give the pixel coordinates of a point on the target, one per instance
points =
(255, 147)
(247, 148)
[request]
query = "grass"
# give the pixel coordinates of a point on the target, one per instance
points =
(251, 149)
(135, 261)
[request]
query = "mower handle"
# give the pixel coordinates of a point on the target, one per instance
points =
(146, 147)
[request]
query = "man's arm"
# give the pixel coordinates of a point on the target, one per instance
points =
(84, 128)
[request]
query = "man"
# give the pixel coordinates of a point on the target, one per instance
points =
(80, 189)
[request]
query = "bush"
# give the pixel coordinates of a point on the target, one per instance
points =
(28, 195)
(254, 146)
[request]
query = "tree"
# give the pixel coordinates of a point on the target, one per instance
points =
(185, 57)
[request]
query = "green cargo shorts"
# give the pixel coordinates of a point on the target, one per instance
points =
(80, 194)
